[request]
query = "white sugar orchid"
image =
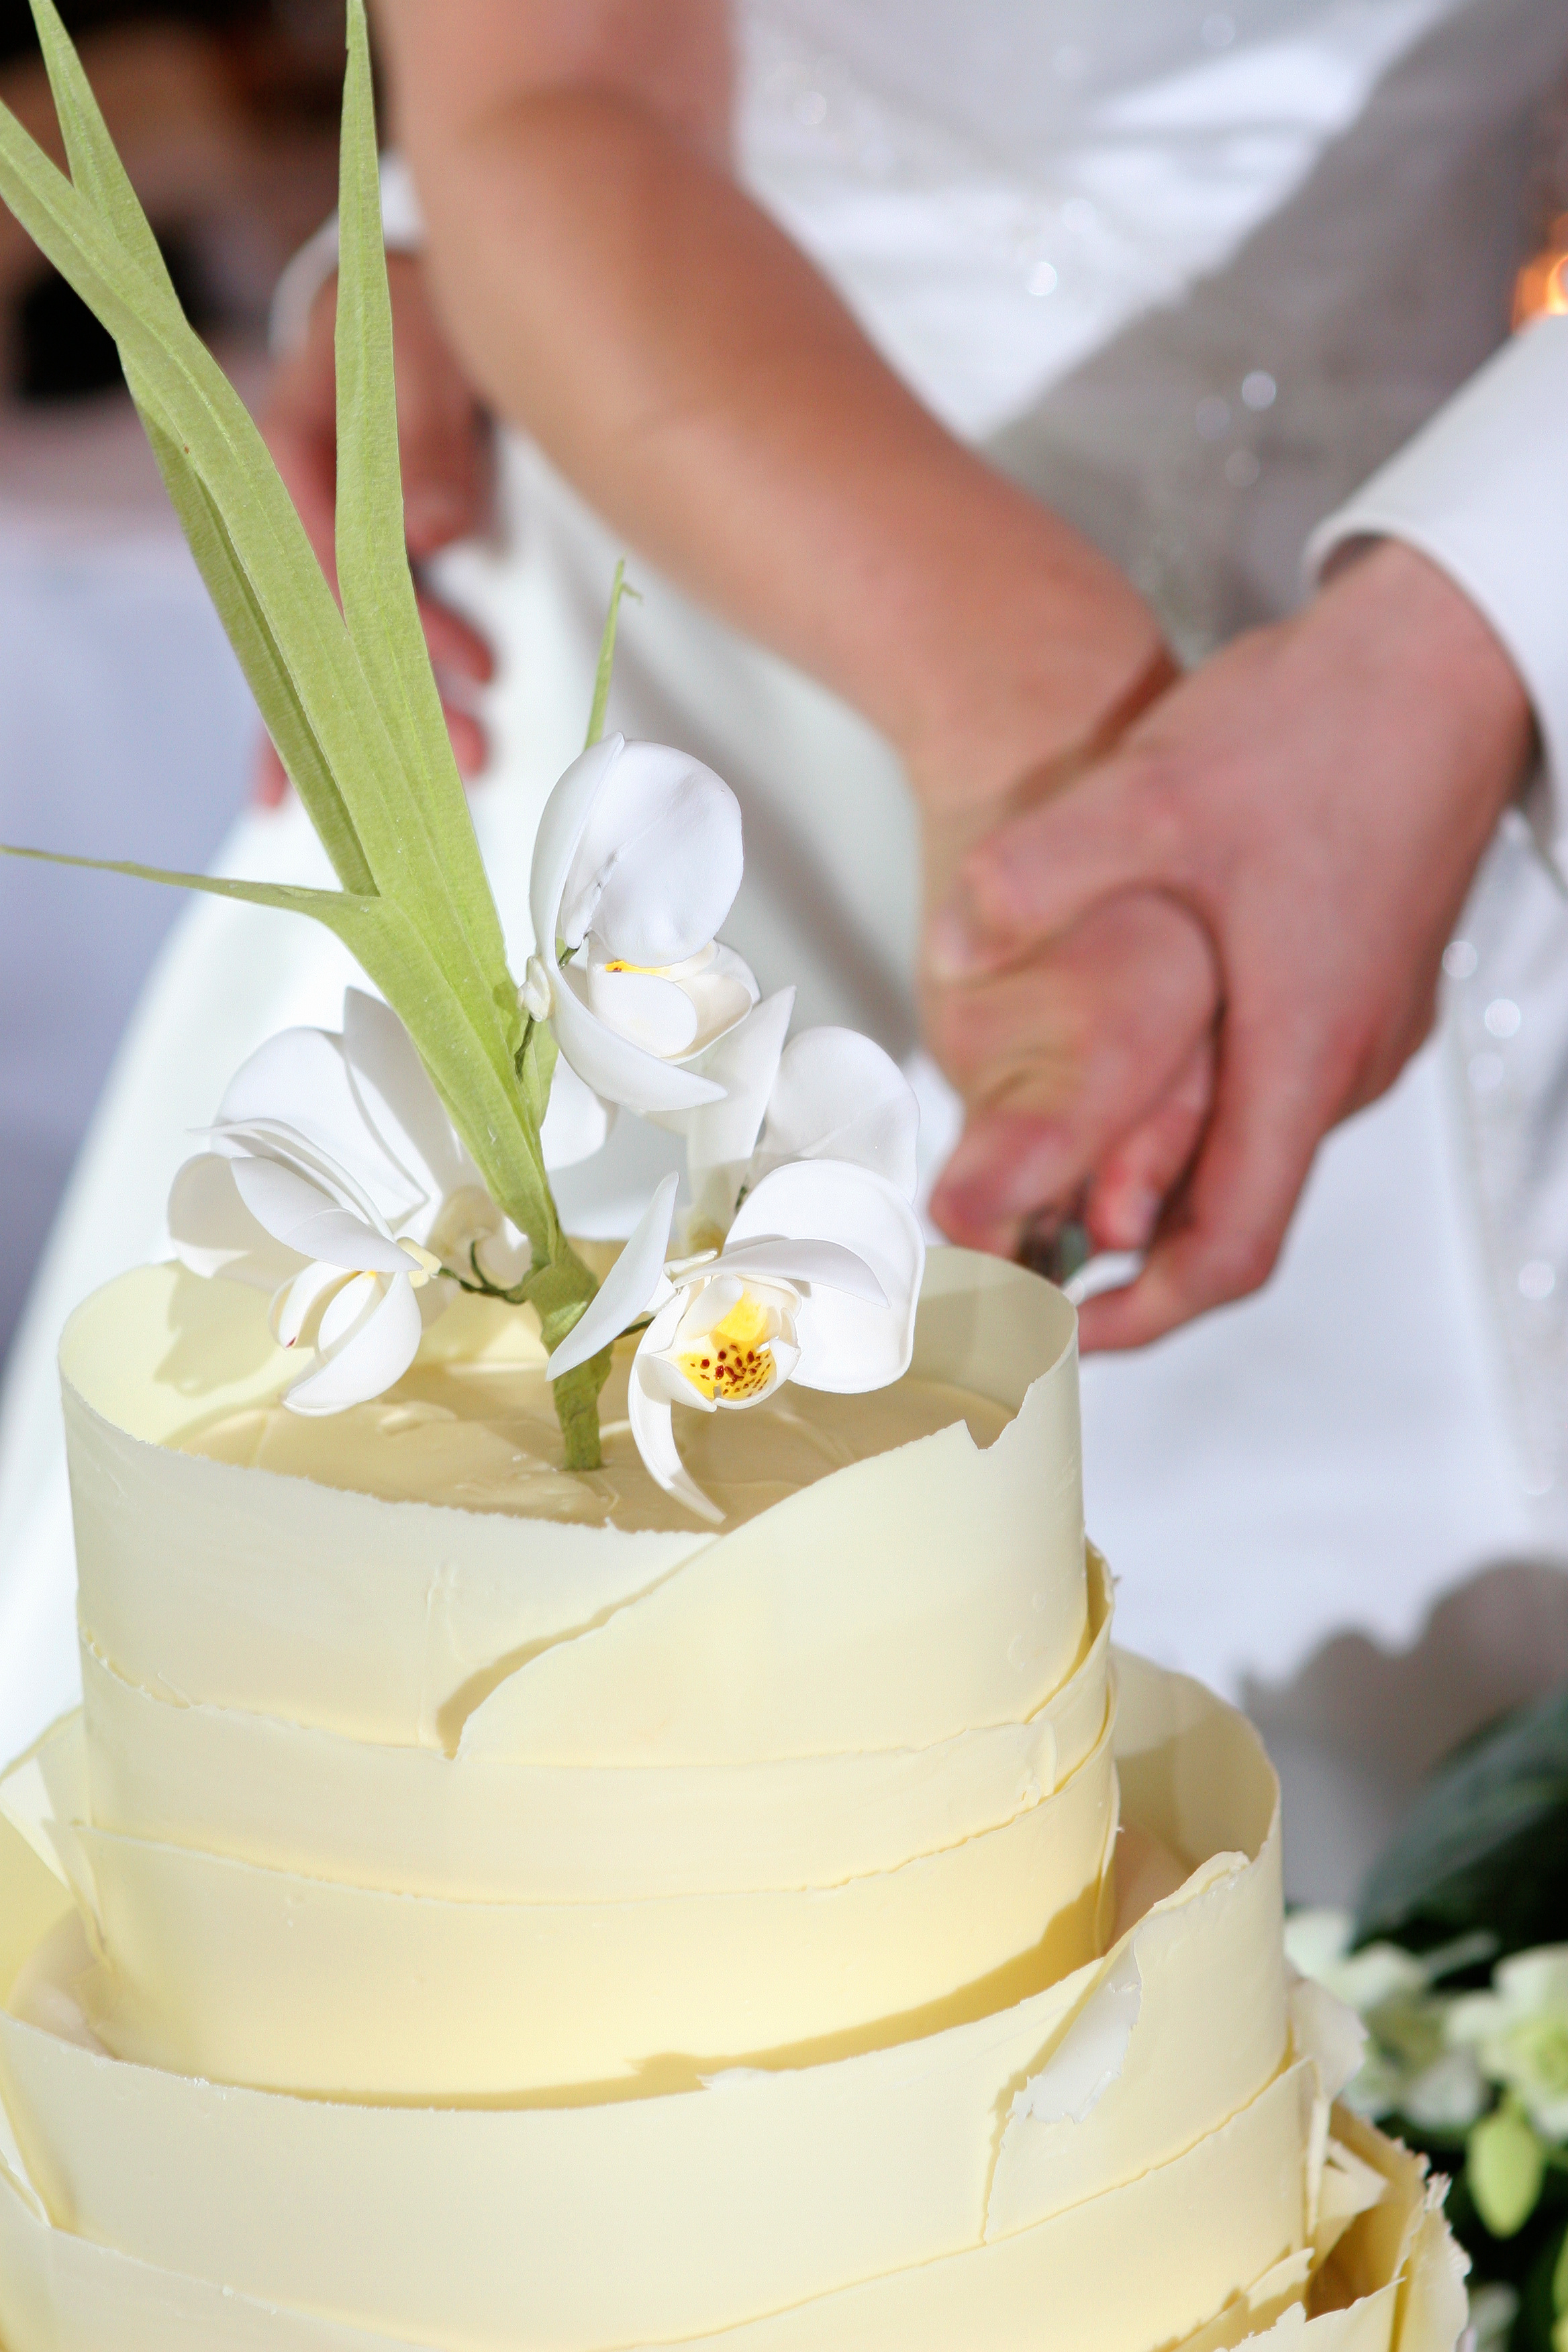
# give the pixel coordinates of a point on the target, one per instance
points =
(819, 1271)
(337, 1182)
(636, 865)
(829, 1093)
(287, 1220)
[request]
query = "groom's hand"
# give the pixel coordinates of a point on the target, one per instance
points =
(444, 443)
(1317, 798)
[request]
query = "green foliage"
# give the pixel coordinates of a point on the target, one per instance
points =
(1505, 2165)
(348, 697)
(606, 669)
(1485, 1845)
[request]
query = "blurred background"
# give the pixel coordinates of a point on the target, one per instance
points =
(125, 729)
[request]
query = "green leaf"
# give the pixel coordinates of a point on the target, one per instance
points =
(606, 670)
(1485, 1845)
(374, 576)
(100, 176)
(1505, 2165)
(396, 957)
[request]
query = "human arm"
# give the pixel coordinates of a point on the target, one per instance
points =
(613, 291)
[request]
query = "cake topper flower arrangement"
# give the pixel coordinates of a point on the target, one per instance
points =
(362, 1178)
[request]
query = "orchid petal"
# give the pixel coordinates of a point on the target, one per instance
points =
(655, 1013)
(293, 1306)
(301, 1216)
(299, 1080)
(626, 1291)
(275, 1140)
(839, 1096)
(397, 1100)
(659, 859)
(613, 1066)
(653, 1428)
(828, 1263)
(213, 1232)
(784, 1360)
(666, 1382)
(847, 1344)
(348, 1308)
(377, 1352)
(721, 1136)
(722, 993)
(576, 1121)
(561, 823)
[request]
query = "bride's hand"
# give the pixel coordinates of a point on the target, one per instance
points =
(445, 442)
(1317, 796)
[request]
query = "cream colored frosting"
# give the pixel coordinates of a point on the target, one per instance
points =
(485, 1438)
(683, 1937)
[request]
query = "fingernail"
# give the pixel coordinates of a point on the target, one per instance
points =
(952, 949)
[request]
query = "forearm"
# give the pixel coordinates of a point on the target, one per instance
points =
(614, 294)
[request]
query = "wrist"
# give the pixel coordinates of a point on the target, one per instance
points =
(1401, 612)
(1037, 655)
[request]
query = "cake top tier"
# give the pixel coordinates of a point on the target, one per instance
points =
(897, 1602)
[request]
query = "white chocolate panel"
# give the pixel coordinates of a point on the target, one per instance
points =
(832, 1623)
(217, 1968)
(204, 1581)
(881, 2160)
(480, 1827)
(416, 2213)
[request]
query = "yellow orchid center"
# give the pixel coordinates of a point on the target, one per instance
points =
(734, 1359)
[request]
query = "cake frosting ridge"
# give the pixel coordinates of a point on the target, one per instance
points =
(463, 1929)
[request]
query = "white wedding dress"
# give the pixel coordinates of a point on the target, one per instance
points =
(1192, 274)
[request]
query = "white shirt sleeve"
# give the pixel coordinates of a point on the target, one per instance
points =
(401, 227)
(1482, 490)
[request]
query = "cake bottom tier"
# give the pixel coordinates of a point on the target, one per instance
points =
(1141, 2156)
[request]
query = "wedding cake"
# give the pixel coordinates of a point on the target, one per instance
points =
(605, 1814)
(469, 1915)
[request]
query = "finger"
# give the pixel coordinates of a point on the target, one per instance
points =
(1059, 1061)
(1222, 1236)
(1114, 831)
(456, 644)
(269, 781)
(1132, 1184)
(470, 744)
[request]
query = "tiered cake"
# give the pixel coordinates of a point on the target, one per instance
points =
(520, 1917)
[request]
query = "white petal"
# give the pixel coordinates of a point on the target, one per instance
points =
(721, 1136)
(846, 1344)
(621, 1071)
(722, 993)
(377, 1352)
(293, 1306)
(654, 1432)
(399, 1100)
(626, 1291)
(300, 1215)
(829, 1263)
(348, 1308)
(299, 1080)
(839, 1096)
(214, 1231)
(656, 1013)
(657, 862)
(275, 1140)
(561, 824)
(576, 1123)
